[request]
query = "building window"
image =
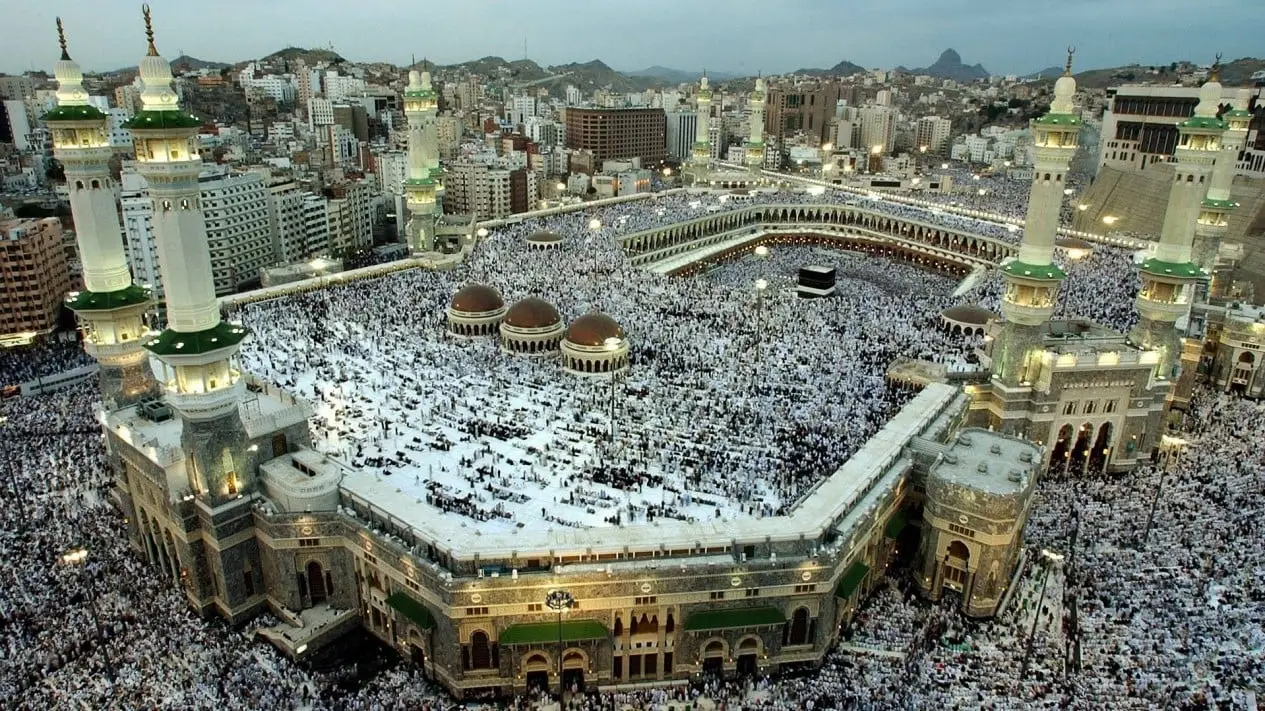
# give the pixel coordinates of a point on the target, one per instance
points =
(753, 592)
(650, 600)
(718, 595)
(1069, 408)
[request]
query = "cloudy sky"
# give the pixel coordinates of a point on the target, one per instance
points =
(1006, 36)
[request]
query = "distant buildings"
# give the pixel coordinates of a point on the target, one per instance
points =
(932, 132)
(34, 278)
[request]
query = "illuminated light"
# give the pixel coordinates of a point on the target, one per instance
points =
(1109, 219)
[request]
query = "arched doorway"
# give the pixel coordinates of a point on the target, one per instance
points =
(714, 658)
(748, 652)
(956, 563)
(536, 670)
(573, 665)
(1080, 451)
(480, 651)
(1101, 449)
(798, 633)
(1241, 376)
(1062, 444)
(315, 583)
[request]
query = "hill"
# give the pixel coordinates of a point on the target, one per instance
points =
(595, 74)
(843, 69)
(185, 63)
(309, 56)
(1235, 73)
(678, 76)
(950, 66)
(1047, 73)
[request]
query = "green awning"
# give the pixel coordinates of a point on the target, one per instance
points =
(413, 610)
(221, 335)
(734, 617)
(542, 632)
(896, 523)
(851, 579)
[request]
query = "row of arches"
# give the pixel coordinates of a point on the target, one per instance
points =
(894, 251)
(598, 364)
(1082, 448)
(94, 184)
(773, 216)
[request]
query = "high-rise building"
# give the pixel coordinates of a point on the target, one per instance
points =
(682, 126)
(111, 309)
(878, 128)
(19, 123)
(17, 87)
(618, 133)
(286, 223)
(932, 132)
(1140, 123)
(34, 277)
(805, 108)
(350, 217)
(315, 226)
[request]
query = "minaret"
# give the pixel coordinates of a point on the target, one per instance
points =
(423, 187)
(1169, 278)
(1032, 280)
(111, 309)
(1215, 210)
(197, 349)
(755, 129)
(702, 156)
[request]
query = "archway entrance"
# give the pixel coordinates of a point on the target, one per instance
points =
(1242, 374)
(1062, 444)
(417, 656)
(315, 582)
(538, 680)
(1102, 448)
(573, 671)
(713, 666)
(1080, 451)
(747, 654)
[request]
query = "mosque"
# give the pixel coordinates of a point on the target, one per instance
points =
(223, 492)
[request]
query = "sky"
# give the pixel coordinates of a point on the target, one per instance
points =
(742, 36)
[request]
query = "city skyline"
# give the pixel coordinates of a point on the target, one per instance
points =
(733, 37)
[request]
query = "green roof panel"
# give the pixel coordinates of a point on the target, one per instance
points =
(1172, 269)
(734, 617)
(158, 120)
(543, 632)
(132, 295)
(86, 112)
(222, 335)
(1053, 119)
(1040, 272)
(851, 579)
(1203, 122)
(412, 610)
(1212, 204)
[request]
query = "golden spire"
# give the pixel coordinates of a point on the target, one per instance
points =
(1067, 69)
(149, 32)
(61, 39)
(1214, 74)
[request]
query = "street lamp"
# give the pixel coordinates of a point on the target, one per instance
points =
(667, 172)
(75, 558)
(559, 601)
(612, 344)
(1068, 191)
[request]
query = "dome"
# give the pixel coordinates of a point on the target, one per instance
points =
(544, 236)
(477, 299)
(532, 312)
(963, 313)
(592, 329)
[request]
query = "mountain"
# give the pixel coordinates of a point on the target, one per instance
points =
(678, 76)
(842, 69)
(1047, 73)
(594, 74)
(950, 66)
(1235, 73)
(310, 57)
(185, 63)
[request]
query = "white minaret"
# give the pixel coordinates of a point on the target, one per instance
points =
(702, 154)
(1169, 278)
(198, 350)
(1214, 213)
(423, 187)
(111, 309)
(1032, 280)
(755, 128)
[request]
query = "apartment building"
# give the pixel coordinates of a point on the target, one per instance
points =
(34, 278)
(618, 133)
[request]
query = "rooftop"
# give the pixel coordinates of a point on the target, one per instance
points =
(989, 462)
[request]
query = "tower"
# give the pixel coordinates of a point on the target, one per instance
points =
(1032, 279)
(1215, 210)
(702, 156)
(755, 133)
(198, 351)
(423, 186)
(111, 309)
(1169, 278)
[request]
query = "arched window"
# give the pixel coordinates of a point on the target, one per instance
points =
(671, 625)
(799, 627)
(480, 651)
(619, 627)
(958, 549)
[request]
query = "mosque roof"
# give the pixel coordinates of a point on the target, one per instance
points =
(87, 112)
(968, 313)
(477, 299)
(532, 312)
(593, 328)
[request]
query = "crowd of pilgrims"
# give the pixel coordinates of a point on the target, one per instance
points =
(23, 364)
(723, 383)
(1154, 601)
(1132, 616)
